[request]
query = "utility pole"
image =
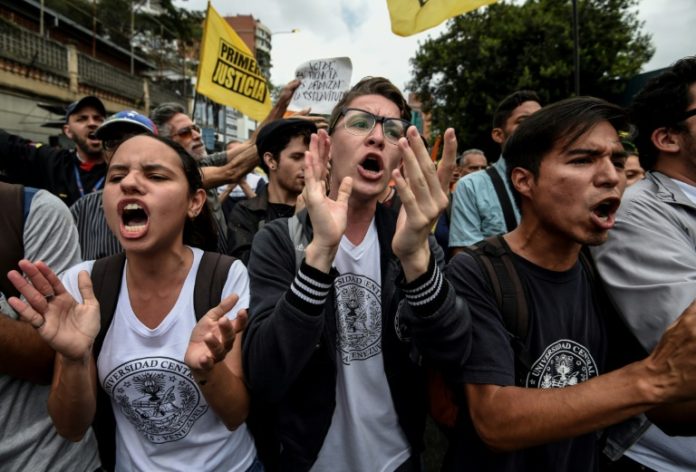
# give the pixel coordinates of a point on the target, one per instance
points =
(94, 28)
(132, 34)
(41, 21)
(576, 48)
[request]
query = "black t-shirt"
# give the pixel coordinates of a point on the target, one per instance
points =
(567, 343)
(279, 210)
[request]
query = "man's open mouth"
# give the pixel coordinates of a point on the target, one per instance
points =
(606, 209)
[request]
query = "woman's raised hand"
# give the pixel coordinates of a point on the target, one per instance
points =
(214, 335)
(67, 326)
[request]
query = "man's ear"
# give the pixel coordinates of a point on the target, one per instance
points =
(523, 181)
(269, 160)
(666, 140)
(498, 135)
(67, 132)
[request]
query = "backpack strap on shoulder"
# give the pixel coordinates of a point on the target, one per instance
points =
(494, 257)
(106, 278)
(210, 280)
(503, 198)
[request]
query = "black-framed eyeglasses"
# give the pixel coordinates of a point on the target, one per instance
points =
(187, 132)
(361, 123)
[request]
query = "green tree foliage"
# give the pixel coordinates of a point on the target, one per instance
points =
(487, 54)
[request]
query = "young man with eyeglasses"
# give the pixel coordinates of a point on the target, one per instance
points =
(649, 262)
(68, 174)
(336, 340)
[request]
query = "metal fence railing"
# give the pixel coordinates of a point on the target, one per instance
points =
(32, 50)
(103, 76)
(29, 49)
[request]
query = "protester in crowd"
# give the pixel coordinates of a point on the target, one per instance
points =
(175, 386)
(69, 174)
(537, 400)
(281, 146)
(634, 172)
(648, 262)
(482, 204)
(96, 239)
(339, 307)
(36, 225)
(472, 160)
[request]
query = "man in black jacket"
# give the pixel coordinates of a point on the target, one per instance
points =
(334, 348)
(69, 174)
(281, 145)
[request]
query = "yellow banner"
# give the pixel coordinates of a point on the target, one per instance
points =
(413, 16)
(228, 72)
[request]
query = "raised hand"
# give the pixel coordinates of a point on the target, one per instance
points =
(673, 361)
(213, 336)
(67, 326)
(329, 217)
(423, 199)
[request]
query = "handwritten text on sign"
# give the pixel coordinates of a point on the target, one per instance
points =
(324, 82)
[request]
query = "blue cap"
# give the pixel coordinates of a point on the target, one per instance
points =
(88, 101)
(123, 122)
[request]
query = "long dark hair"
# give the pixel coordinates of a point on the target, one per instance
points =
(198, 231)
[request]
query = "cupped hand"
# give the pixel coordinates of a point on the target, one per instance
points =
(214, 335)
(67, 326)
(423, 199)
(329, 217)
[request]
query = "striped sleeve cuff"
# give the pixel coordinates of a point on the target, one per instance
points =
(310, 289)
(427, 293)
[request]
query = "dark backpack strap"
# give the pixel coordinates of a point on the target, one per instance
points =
(106, 277)
(503, 198)
(494, 258)
(12, 239)
(210, 280)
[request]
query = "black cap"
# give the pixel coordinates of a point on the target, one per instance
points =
(273, 129)
(88, 101)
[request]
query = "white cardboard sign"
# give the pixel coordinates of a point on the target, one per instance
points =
(324, 82)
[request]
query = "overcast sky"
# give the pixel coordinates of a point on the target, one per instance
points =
(360, 29)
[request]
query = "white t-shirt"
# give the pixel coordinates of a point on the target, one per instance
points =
(162, 419)
(365, 433)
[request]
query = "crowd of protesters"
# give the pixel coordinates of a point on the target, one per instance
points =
(304, 300)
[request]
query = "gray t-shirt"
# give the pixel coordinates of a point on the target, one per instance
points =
(28, 440)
